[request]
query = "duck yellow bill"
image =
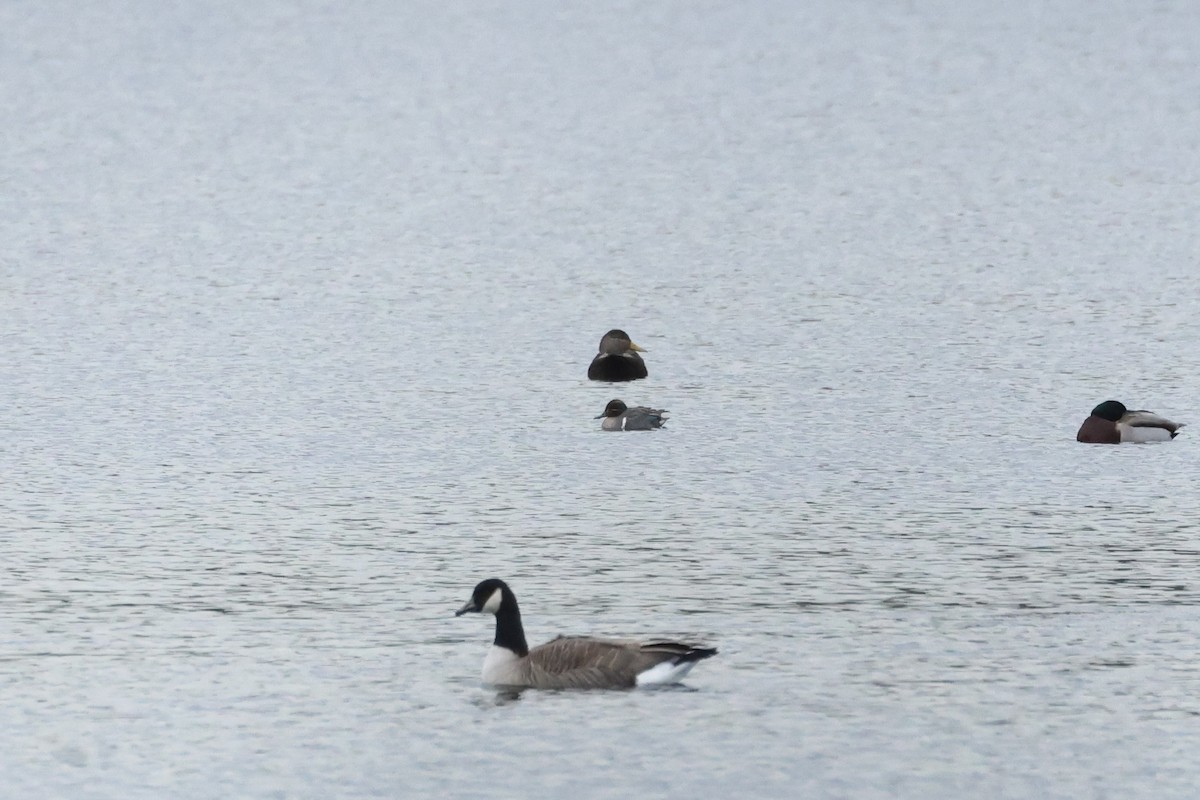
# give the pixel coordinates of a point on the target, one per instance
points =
(633, 346)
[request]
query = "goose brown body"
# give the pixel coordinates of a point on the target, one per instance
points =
(582, 662)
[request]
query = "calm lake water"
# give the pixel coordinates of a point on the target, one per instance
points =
(297, 303)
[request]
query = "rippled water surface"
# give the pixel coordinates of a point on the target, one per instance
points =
(298, 300)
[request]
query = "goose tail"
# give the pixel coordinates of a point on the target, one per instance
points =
(681, 658)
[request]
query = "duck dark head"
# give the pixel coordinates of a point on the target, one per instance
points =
(617, 342)
(615, 408)
(618, 359)
(1110, 410)
(489, 596)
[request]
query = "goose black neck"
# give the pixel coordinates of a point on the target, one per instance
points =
(509, 632)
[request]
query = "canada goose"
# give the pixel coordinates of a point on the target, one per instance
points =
(619, 417)
(573, 662)
(1112, 423)
(618, 359)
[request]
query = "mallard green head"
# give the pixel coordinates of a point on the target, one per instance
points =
(1110, 410)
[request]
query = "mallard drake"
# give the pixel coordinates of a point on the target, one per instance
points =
(1112, 423)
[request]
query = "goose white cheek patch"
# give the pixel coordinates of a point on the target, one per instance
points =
(493, 603)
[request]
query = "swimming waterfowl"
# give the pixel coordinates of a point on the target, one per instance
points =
(618, 359)
(1112, 423)
(573, 662)
(620, 417)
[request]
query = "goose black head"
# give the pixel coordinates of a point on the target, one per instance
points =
(488, 596)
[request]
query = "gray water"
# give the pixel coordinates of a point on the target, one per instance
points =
(298, 300)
